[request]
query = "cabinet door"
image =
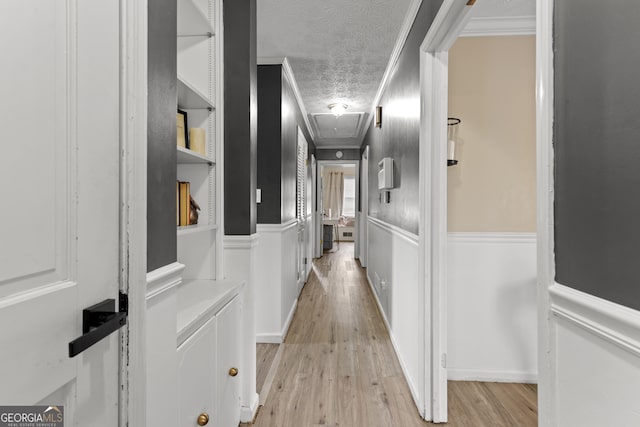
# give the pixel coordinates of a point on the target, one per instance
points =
(228, 385)
(197, 376)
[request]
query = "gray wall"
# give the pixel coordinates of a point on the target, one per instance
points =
(596, 139)
(269, 143)
(161, 137)
(241, 121)
(277, 145)
(399, 135)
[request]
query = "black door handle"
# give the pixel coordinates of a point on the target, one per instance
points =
(98, 321)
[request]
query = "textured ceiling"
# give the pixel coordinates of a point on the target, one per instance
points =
(338, 51)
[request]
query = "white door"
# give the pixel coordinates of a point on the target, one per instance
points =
(59, 222)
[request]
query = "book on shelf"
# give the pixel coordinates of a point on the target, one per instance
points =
(184, 203)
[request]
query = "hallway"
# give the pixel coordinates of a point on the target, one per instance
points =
(338, 367)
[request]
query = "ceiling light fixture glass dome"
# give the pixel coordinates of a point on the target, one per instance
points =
(338, 109)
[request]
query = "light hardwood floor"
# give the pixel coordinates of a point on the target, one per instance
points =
(265, 354)
(338, 367)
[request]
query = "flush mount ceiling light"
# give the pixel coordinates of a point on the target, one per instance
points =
(338, 109)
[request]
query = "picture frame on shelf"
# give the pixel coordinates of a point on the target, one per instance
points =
(182, 128)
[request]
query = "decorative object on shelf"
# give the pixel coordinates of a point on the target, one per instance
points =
(197, 140)
(378, 116)
(193, 212)
(184, 203)
(452, 136)
(338, 109)
(182, 134)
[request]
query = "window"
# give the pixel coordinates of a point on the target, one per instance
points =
(349, 197)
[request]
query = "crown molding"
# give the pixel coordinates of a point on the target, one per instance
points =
(500, 26)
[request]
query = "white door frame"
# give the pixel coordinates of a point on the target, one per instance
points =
(434, 87)
(445, 29)
(545, 201)
(320, 165)
(364, 209)
(133, 190)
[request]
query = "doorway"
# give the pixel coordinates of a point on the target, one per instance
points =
(434, 64)
(491, 210)
(338, 183)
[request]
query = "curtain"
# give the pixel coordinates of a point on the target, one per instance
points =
(333, 194)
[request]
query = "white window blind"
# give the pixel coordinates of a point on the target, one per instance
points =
(349, 196)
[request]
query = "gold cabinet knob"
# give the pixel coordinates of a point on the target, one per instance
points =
(203, 419)
(233, 372)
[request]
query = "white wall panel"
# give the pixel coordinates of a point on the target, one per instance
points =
(492, 330)
(394, 274)
(596, 350)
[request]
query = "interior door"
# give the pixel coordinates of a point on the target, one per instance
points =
(59, 222)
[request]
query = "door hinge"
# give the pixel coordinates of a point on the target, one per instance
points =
(123, 303)
(443, 360)
(305, 261)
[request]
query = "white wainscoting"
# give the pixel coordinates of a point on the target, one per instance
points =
(492, 314)
(240, 263)
(276, 286)
(595, 347)
(393, 274)
(162, 359)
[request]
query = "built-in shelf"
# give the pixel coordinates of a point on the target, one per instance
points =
(191, 20)
(188, 156)
(191, 98)
(196, 228)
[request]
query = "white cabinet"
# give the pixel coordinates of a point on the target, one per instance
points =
(197, 376)
(228, 382)
(209, 354)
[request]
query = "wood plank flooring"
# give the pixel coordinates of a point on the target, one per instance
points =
(338, 367)
(265, 353)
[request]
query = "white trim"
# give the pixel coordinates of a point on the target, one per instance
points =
(452, 17)
(404, 234)
(219, 141)
(288, 73)
(248, 413)
(241, 242)
(491, 237)
(279, 338)
(164, 279)
(396, 349)
(609, 321)
(545, 202)
(287, 323)
(276, 228)
(500, 26)
(133, 189)
(407, 24)
(492, 376)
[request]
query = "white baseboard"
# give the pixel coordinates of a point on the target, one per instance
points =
(278, 338)
(248, 413)
(492, 376)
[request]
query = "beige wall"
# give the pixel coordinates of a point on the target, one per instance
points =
(492, 90)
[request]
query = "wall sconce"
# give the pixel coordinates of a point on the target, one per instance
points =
(378, 117)
(338, 109)
(452, 136)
